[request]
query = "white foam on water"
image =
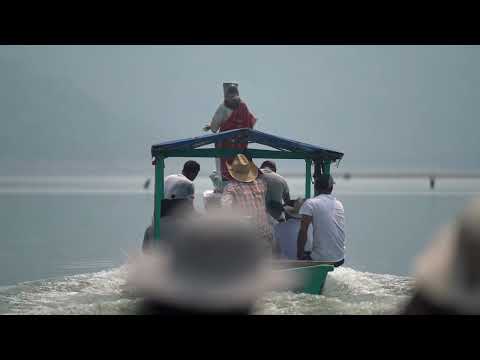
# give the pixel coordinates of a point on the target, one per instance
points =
(94, 293)
(346, 292)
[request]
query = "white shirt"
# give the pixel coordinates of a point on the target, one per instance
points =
(220, 116)
(328, 218)
(286, 235)
(179, 187)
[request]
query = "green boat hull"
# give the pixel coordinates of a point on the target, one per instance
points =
(313, 273)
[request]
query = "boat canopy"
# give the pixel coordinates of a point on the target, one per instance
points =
(287, 149)
(320, 157)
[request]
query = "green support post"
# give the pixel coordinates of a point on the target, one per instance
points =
(317, 170)
(326, 167)
(308, 177)
(159, 166)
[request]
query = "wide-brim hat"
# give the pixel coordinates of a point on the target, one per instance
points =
(448, 272)
(294, 211)
(214, 265)
(242, 169)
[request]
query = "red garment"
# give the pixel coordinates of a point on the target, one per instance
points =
(238, 119)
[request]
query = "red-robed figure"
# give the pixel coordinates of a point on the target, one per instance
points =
(232, 114)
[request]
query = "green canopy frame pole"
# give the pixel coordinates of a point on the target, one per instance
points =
(159, 167)
(326, 167)
(317, 170)
(308, 177)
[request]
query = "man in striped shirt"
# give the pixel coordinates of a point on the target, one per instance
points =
(246, 194)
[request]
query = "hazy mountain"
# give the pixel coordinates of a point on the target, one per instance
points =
(100, 108)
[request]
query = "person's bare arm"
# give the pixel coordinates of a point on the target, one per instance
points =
(286, 193)
(216, 120)
(302, 236)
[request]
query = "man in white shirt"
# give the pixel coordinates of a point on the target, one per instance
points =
(178, 200)
(286, 233)
(327, 216)
(180, 186)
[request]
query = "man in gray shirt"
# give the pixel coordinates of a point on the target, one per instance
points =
(277, 190)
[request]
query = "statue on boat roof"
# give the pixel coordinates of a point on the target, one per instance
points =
(231, 114)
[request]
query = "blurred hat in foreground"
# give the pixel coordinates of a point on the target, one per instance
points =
(214, 263)
(449, 271)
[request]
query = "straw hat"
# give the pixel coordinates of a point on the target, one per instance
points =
(214, 263)
(449, 271)
(294, 211)
(241, 169)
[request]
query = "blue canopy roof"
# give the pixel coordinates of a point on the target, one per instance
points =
(247, 135)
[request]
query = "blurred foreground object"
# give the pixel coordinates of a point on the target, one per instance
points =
(175, 214)
(448, 273)
(215, 265)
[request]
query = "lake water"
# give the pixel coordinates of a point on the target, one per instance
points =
(64, 241)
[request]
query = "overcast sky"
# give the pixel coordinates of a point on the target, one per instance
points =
(385, 107)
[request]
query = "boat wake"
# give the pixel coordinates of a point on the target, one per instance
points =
(95, 293)
(346, 292)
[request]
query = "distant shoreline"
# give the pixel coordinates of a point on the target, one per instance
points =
(338, 174)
